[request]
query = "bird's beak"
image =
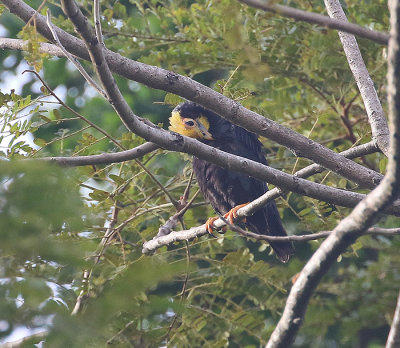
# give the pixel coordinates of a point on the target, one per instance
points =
(205, 134)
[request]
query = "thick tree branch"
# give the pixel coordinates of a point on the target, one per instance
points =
(376, 116)
(316, 18)
(21, 45)
(144, 149)
(364, 214)
(165, 80)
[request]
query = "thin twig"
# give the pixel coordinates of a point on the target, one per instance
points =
(72, 59)
(173, 220)
(83, 295)
(316, 18)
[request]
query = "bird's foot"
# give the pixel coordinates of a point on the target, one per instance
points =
(231, 215)
(210, 226)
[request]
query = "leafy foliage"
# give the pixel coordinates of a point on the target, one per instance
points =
(219, 292)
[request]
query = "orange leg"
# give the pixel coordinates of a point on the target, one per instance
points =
(232, 214)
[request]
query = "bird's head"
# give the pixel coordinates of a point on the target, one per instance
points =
(191, 120)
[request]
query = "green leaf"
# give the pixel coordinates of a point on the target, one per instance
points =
(99, 195)
(40, 142)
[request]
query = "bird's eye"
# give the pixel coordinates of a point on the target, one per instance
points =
(189, 123)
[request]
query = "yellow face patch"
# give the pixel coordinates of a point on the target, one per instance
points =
(197, 129)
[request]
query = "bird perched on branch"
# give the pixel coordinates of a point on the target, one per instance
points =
(225, 189)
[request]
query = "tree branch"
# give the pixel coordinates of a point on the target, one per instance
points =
(30, 340)
(72, 59)
(376, 116)
(21, 45)
(394, 111)
(105, 158)
(316, 18)
(393, 340)
(196, 232)
(165, 80)
(363, 215)
(377, 231)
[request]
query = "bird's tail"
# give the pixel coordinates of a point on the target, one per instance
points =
(268, 222)
(283, 250)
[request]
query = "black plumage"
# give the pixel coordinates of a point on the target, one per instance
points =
(225, 188)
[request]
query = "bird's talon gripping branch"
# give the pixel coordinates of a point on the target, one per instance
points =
(210, 226)
(231, 215)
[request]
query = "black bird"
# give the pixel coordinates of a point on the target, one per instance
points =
(223, 188)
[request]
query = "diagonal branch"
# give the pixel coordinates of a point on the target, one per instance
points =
(162, 79)
(363, 215)
(393, 340)
(376, 116)
(316, 18)
(72, 59)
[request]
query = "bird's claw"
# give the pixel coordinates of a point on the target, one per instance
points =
(210, 226)
(231, 215)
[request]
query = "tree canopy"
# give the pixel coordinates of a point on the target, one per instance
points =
(89, 173)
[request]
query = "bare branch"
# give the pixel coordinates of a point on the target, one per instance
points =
(363, 215)
(316, 18)
(27, 340)
(393, 340)
(174, 219)
(97, 22)
(105, 158)
(196, 232)
(83, 294)
(394, 112)
(376, 116)
(21, 45)
(144, 149)
(162, 79)
(377, 231)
